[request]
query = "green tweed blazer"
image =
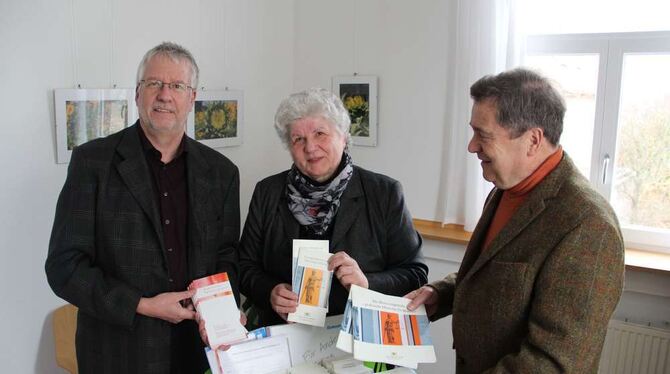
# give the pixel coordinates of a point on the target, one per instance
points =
(538, 300)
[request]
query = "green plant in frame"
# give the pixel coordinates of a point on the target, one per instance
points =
(359, 112)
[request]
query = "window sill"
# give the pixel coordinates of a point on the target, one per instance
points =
(635, 259)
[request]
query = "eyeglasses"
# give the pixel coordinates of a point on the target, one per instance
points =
(156, 85)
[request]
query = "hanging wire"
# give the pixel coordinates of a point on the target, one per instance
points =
(224, 69)
(111, 43)
(200, 32)
(73, 39)
(353, 43)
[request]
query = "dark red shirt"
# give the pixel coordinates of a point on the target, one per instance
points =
(171, 192)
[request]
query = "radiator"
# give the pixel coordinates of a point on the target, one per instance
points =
(635, 349)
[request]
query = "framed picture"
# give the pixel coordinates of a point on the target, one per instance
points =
(359, 95)
(87, 114)
(217, 118)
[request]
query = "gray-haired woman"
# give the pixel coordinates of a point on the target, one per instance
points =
(325, 196)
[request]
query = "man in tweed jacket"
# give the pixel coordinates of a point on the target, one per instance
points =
(543, 270)
(142, 213)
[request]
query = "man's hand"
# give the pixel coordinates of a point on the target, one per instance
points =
(283, 300)
(425, 295)
(203, 330)
(167, 306)
(346, 270)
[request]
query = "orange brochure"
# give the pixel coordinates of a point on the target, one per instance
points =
(312, 282)
(215, 302)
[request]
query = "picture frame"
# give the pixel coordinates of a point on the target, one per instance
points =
(86, 114)
(359, 95)
(217, 118)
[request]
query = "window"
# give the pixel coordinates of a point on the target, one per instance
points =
(617, 126)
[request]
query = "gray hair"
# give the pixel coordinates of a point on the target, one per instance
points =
(524, 99)
(174, 52)
(314, 102)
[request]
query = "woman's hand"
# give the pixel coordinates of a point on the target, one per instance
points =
(203, 330)
(347, 271)
(283, 300)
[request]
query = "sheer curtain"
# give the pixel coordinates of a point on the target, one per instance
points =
(485, 38)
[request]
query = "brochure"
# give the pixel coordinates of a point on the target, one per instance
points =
(215, 302)
(312, 284)
(382, 329)
(298, 244)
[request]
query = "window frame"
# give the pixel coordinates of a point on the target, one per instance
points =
(611, 49)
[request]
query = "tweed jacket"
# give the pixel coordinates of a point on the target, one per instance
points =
(106, 249)
(539, 298)
(372, 225)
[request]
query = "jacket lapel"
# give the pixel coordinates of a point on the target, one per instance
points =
(526, 213)
(134, 172)
(199, 187)
(349, 209)
(291, 225)
(479, 234)
(524, 216)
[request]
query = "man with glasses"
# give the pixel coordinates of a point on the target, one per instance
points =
(142, 213)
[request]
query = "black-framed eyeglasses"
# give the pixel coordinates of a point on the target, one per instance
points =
(156, 85)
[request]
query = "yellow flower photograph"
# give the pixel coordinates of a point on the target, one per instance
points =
(359, 112)
(359, 96)
(215, 119)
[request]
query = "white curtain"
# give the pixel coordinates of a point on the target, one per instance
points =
(485, 38)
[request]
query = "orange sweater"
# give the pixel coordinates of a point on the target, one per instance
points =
(515, 196)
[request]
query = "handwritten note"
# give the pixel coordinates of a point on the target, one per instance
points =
(310, 343)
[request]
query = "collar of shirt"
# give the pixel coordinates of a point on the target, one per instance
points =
(156, 154)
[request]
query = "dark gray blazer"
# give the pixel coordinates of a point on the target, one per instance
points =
(372, 225)
(538, 300)
(106, 249)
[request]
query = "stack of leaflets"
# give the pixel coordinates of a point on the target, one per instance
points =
(215, 302)
(256, 356)
(346, 365)
(277, 348)
(380, 328)
(311, 281)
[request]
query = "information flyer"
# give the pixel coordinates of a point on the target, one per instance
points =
(312, 284)
(380, 328)
(215, 302)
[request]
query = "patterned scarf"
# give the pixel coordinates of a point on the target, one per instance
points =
(315, 206)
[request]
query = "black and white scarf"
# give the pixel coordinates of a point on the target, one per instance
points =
(313, 205)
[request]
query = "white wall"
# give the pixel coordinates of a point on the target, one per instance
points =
(404, 44)
(245, 44)
(268, 48)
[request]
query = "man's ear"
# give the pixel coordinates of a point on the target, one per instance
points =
(535, 138)
(193, 95)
